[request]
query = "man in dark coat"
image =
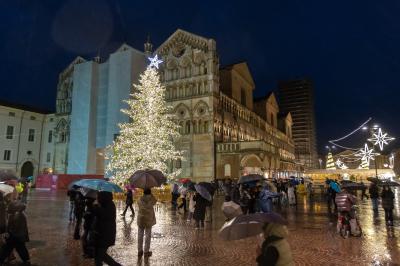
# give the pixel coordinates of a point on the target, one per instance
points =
(2, 214)
(79, 209)
(17, 234)
(388, 204)
(200, 210)
(374, 195)
(88, 217)
(102, 234)
(129, 203)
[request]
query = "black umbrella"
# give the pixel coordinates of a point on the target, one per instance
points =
(353, 185)
(7, 175)
(190, 186)
(72, 185)
(250, 178)
(203, 192)
(88, 193)
(210, 187)
(373, 179)
(389, 183)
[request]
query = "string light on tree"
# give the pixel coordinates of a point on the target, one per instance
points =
(147, 140)
(364, 164)
(380, 139)
(330, 165)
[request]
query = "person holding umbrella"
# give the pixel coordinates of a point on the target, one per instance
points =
(374, 195)
(201, 204)
(17, 233)
(79, 209)
(103, 231)
(275, 249)
(145, 221)
(388, 204)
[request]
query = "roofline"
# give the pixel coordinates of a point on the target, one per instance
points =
(24, 107)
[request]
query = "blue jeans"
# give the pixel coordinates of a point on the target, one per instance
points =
(374, 204)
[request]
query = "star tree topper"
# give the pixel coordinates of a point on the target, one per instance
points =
(154, 61)
(366, 154)
(380, 139)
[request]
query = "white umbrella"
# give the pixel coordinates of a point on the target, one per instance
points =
(147, 179)
(231, 209)
(6, 189)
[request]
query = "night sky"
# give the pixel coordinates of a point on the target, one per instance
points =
(350, 49)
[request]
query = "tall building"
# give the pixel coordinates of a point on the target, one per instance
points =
(224, 133)
(296, 97)
(26, 139)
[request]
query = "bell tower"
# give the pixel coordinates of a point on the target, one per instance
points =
(148, 46)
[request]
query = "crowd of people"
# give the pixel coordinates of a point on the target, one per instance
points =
(14, 227)
(343, 198)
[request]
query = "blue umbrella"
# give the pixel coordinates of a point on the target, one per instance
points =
(99, 185)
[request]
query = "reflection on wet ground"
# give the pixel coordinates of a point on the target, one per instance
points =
(175, 242)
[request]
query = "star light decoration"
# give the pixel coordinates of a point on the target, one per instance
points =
(380, 139)
(366, 154)
(341, 164)
(154, 61)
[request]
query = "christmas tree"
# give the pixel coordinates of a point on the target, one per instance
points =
(364, 164)
(330, 165)
(147, 140)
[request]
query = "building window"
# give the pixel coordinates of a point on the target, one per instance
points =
(7, 155)
(48, 157)
(205, 127)
(243, 97)
(50, 137)
(31, 135)
(33, 118)
(227, 170)
(272, 120)
(63, 137)
(10, 132)
(11, 114)
(178, 164)
(187, 127)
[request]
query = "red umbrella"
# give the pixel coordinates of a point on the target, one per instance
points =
(184, 180)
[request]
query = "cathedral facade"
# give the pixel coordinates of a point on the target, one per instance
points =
(225, 133)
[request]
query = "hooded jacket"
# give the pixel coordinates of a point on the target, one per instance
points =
(2, 216)
(104, 225)
(17, 224)
(344, 201)
(387, 199)
(146, 216)
(275, 249)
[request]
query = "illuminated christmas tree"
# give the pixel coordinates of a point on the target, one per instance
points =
(147, 140)
(364, 164)
(330, 165)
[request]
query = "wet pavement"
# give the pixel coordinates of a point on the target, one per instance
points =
(313, 238)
